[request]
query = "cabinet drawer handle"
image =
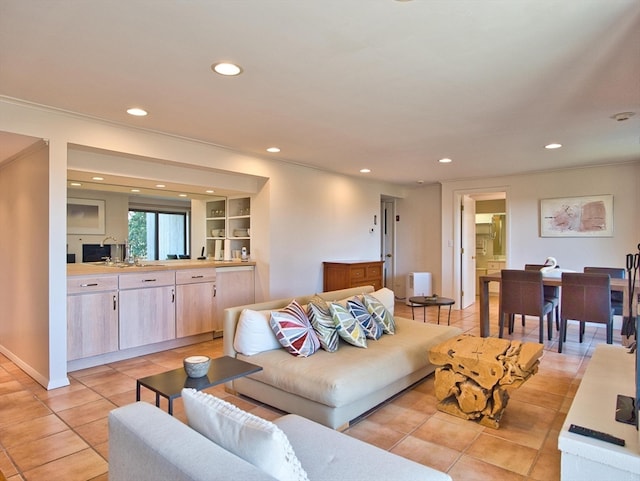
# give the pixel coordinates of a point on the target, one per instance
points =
(173, 296)
(197, 277)
(114, 303)
(91, 284)
(149, 280)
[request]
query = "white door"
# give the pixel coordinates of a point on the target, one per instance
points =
(467, 252)
(387, 234)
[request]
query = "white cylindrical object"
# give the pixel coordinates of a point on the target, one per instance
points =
(418, 284)
(227, 249)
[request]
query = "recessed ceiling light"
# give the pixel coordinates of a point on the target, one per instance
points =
(445, 161)
(182, 195)
(97, 178)
(75, 184)
(226, 68)
(160, 186)
(273, 150)
(553, 146)
(135, 190)
(365, 171)
(210, 191)
(137, 112)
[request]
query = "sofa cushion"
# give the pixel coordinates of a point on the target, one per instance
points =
(350, 374)
(322, 322)
(294, 331)
(387, 297)
(347, 326)
(254, 334)
(380, 313)
(256, 440)
(372, 329)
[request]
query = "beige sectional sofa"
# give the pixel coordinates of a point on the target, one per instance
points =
(334, 388)
(147, 444)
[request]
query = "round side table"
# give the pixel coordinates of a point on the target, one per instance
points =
(426, 301)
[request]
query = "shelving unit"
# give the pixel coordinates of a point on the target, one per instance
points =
(229, 219)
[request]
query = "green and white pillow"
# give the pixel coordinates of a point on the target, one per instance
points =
(347, 326)
(380, 313)
(323, 324)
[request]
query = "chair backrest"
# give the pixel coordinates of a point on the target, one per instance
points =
(614, 272)
(534, 267)
(521, 292)
(586, 297)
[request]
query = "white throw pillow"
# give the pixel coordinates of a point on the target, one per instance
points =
(387, 297)
(254, 334)
(256, 440)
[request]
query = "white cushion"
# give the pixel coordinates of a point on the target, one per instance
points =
(256, 440)
(254, 334)
(387, 297)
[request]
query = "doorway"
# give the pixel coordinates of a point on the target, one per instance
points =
(387, 240)
(475, 253)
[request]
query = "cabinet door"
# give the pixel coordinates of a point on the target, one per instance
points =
(147, 316)
(195, 308)
(236, 287)
(92, 324)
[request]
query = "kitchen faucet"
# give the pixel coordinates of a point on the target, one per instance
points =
(107, 238)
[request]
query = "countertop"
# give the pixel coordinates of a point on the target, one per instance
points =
(93, 268)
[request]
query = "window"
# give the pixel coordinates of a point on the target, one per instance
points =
(158, 235)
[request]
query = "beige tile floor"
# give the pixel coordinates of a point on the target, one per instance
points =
(62, 434)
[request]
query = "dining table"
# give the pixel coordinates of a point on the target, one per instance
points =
(617, 284)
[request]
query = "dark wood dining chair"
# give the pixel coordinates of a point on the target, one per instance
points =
(617, 297)
(586, 297)
(551, 294)
(521, 292)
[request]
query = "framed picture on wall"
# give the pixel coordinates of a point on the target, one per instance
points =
(85, 216)
(588, 216)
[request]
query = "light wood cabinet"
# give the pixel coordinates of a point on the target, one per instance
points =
(345, 274)
(195, 301)
(147, 308)
(92, 316)
(236, 287)
(492, 268)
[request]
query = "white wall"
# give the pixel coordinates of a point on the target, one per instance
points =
(418, 236)
(524, 244)
(24, 257)
(300, 218)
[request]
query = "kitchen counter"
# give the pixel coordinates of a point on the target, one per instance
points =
(92, 268)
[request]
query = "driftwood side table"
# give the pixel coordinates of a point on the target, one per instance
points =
(475, 375)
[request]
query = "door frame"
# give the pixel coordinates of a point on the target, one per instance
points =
(388, 235)
(484, 193)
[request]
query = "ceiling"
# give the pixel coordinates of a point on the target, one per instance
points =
(341, 85)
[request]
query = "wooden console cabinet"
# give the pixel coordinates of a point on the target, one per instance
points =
(345, 274)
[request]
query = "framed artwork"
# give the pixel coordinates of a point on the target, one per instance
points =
(85, 216)
(588, 216)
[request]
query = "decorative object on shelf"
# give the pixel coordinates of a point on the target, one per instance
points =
(589, 216)
(196, 366)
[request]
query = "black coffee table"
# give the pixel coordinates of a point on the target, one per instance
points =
(426, 301)
(170, 384)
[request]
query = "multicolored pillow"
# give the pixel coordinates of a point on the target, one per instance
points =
(347, 326)
(322, 323)
(372, 329)
(380, 313)
(294, 331)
